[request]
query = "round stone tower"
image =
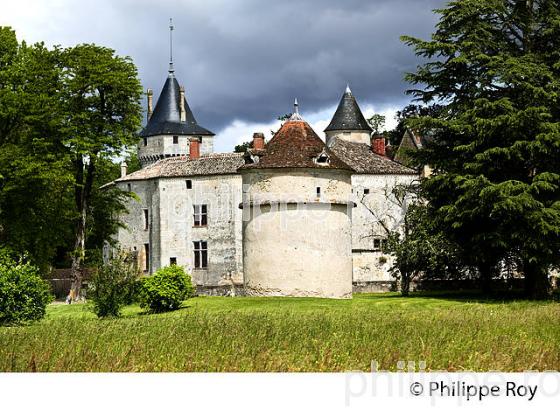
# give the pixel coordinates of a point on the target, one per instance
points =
(348, 122)
(296, 216)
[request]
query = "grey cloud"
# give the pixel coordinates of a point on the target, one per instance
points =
(248, 59)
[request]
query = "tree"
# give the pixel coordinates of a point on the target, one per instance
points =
(419, 250)
(35, 211)
(102, 103)
(377, 122)
(493, 67)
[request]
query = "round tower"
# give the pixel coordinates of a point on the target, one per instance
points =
(296, 217)
(348, 122)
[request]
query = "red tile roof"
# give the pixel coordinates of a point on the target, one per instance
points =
(295, 145)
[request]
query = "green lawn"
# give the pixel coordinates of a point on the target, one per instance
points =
(292, 334)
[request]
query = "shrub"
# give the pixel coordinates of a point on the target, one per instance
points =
(112, 286)
(24, 295)
(166, 289)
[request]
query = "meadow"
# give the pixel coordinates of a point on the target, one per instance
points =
(453, 333)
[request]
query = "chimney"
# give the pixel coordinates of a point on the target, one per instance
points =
(378, 145)
(258, 140)
(124, 169)
(194, 148)
(150, 94)
(182, 104)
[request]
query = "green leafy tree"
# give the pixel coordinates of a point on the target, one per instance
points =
(493, 66)
(377, 122)
(35, 180)
(102, 104)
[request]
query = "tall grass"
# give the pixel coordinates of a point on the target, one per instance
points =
(257, 334)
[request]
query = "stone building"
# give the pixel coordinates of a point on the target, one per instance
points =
(273, 221)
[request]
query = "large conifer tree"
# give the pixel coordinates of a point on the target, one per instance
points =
(494, 66)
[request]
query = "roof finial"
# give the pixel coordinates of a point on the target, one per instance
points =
(171, 69)
(295, 116)
(348, 89)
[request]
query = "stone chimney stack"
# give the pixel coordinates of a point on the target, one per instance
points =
(258, 140)
(194, 148)
(378, 145)
(150, 95)
(182, 104)
(124, 169)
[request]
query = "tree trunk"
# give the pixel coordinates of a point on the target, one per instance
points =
(487, 273)
(83, 193)
(405, 284)
(537, 285)
(78, 258)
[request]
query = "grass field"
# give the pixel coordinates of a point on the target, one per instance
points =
(283, 334)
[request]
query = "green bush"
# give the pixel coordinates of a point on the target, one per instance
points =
(166, 289)
(113, 285)
(24, 295)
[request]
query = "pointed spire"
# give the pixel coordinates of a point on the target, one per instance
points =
(171, 28)
(348, 116)
(295, 116)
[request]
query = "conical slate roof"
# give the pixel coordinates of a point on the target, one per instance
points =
(348, 116)
(166, 118)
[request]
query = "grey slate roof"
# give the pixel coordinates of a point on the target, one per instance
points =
(209, 164)
(364, 161)
(166, 118)
(348, 116)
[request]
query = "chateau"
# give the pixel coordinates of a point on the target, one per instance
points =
(293, 217)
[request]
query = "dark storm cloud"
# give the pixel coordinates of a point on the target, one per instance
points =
(248, 59)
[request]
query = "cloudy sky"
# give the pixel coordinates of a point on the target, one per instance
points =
(242, 62)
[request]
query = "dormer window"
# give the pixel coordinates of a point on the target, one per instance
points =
(322, 159)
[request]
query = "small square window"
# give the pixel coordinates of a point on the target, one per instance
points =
(318, 192)
(189, 184)
(172, 261)
(366, 191)
(175, 139)
(377, 244)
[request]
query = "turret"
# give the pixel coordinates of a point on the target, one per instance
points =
(348, 122)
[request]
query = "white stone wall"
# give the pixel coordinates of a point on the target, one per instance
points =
(162, 146)
(171, 232)
(294, 243)
(380, 205)
(363, 137)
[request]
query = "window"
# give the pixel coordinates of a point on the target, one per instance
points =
(129, 187)
(379, 244)
(146, 220)
(200, 254)
(175, 139)
(145, 141)
(366, 191)
(318, 192)
(146, 257)
(189, 184)
(323, 159)
(173, 261)
(200, 215)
